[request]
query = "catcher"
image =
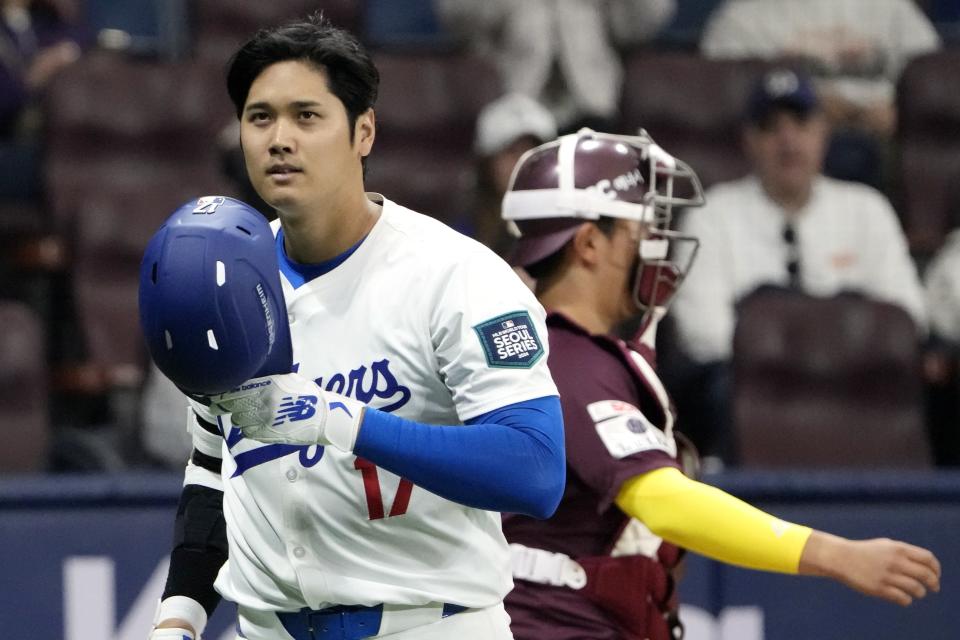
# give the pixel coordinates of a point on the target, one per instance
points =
(593, 211)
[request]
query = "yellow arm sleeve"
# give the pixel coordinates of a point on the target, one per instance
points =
(711, 522)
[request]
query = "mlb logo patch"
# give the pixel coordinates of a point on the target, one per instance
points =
(207, 204)
(510, 340)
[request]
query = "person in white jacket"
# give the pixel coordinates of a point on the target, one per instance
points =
(787, 224)
(560, 52)
(942, 283)
(941, 362)
(856, 51)
(856, 48)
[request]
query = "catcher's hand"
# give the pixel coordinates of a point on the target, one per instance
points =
(291, 409)
(883, 568)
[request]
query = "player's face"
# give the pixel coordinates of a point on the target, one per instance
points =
(296, 139)
(619, 266)
(787, 152)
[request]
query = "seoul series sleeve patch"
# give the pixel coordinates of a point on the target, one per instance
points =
(510, 341)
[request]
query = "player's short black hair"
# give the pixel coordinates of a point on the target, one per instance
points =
(545, 268)
(351, 74)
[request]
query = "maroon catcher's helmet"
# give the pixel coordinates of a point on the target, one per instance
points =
(580, 177)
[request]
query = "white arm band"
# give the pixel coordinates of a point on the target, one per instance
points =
(183, 608)
(207, 443)
(171, 633)
(198, 475)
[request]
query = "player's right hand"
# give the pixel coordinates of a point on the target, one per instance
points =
(291, 409)
(172, 633)
(883, 568)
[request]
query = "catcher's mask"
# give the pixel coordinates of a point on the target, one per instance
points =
(211, 305)
(580, 177)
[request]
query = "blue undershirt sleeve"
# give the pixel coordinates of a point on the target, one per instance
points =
(511, 459)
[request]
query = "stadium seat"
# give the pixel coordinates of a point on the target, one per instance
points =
(388, 23)
(121, 123)
(685, 30)
(130, 141)
(24, 405)
(928, 144)
(691, 106)
(156, 28)
(827, 382)
(426, 114)
(223, 25)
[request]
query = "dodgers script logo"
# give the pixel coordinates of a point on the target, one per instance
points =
(295, 409)
(510, 340)
(367, 385)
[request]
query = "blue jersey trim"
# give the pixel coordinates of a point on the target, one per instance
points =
(299, 274)
(511, 459)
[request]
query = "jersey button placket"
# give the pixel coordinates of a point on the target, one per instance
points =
(292, 474)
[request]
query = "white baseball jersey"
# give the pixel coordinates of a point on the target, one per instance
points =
(431, 326)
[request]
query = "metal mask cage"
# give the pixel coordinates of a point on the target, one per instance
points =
(665, 260)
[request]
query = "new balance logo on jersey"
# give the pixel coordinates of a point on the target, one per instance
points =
(295, 408)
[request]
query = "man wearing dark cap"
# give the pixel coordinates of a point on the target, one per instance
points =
(786, 224)
(593, 213)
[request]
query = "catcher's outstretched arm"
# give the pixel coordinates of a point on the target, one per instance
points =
(714, 523)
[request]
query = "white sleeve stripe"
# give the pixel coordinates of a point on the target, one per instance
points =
(207, 443)
(202, 477)
(183, 608)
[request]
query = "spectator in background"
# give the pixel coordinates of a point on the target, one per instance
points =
(855, 48)
(942, 282)
(163, 435)
(561, 52)
(941, 366)
(785, 224)
(36, 41)
(506, 129)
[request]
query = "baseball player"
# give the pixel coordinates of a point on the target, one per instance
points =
(593, 210)
(357, 497)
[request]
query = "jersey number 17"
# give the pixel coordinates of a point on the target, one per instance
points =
(371, 487)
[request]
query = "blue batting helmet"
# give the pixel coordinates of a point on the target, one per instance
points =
(211, 305)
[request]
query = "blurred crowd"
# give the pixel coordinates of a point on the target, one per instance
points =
(820, 325)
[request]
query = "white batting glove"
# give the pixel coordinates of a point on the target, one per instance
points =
(171, 634)
(291, 409)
